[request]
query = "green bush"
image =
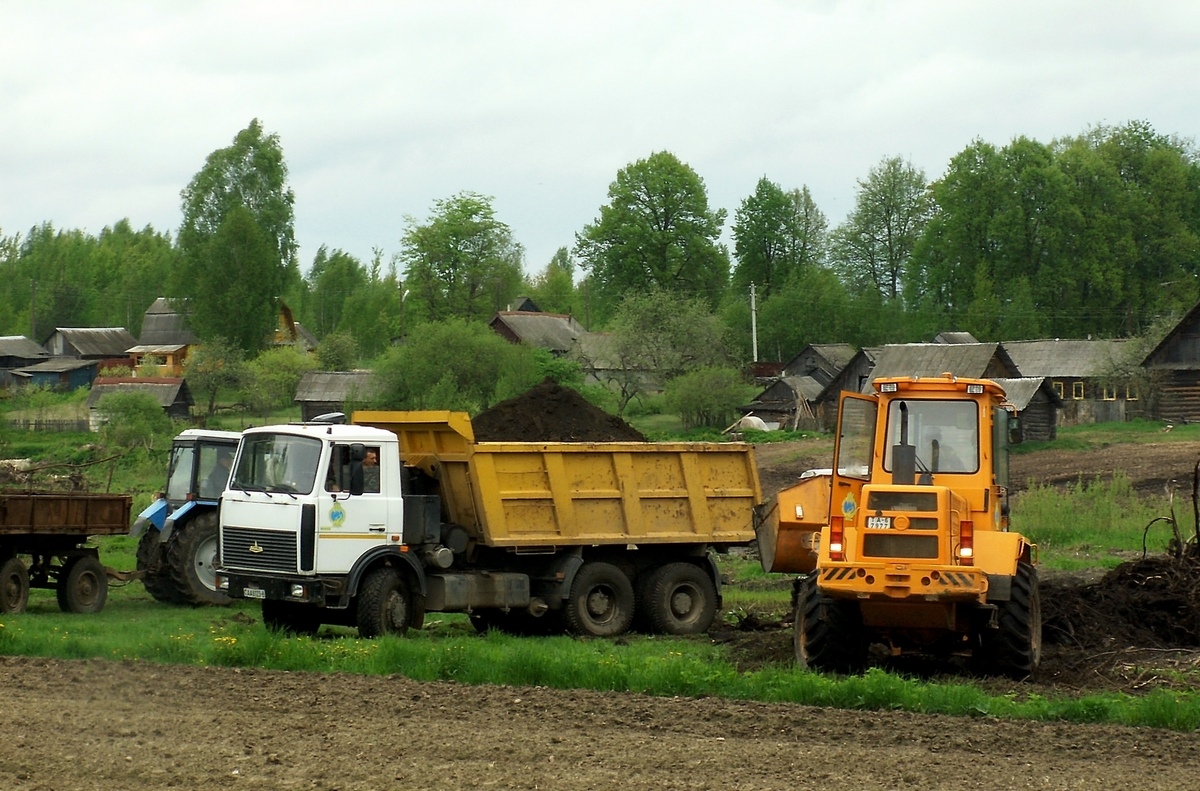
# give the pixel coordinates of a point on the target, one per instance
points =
(708, 396)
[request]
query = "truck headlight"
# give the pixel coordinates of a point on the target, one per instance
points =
(297, 591)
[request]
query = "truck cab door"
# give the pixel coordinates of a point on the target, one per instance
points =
(348, 525)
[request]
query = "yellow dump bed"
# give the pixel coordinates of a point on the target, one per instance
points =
(541, 494)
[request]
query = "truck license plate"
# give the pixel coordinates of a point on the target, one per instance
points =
(254, 593)
(879, 522)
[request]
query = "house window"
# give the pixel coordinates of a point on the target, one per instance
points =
(1110, 393)
(1077, 391)
(1058, 388)
(1131, 393)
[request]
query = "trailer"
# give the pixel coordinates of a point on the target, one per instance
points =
(529, 537)
(51, 531)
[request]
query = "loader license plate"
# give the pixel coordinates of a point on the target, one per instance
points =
(254, 593)
(879, 523)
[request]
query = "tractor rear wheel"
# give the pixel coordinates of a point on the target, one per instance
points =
(828, 633)
(156, 576)
(192, 555)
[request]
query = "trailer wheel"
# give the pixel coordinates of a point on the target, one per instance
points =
(601, 601)
(1015, 648)
(828, 633)
(156, 577)
(192, 557)
(82, 585)
(290, 617)
(384, 604)
(681, 599)
(14, 586)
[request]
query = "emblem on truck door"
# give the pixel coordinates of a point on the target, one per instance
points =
(255, 548)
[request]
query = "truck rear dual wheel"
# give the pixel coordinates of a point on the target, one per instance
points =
(828, 633)
(14, 586)
(192, 558)
(82, 585)
(1015, 648)
(385, 604)
(679, 599)
(600, 603)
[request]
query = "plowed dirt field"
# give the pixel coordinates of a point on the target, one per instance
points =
(138, 726)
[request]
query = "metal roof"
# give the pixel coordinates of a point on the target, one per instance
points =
(156, 349)
(1074, 358)
(97, 341)
(168, 391)
(163, 325)
(933, 359)
(59, 365)
(337, 386)
(1020, 392)
(21, 346)
(955, 337)
(551, 331)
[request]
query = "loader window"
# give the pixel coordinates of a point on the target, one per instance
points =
(856, 434)
(945, 434)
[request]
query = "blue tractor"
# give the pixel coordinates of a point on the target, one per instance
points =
(178, 532)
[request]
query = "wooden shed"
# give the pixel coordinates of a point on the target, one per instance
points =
(554, 332)
(1037, 406)
(91, 343)
(320, 392)
(1174, 372)
(171, 393)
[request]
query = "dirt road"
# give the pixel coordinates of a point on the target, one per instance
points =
(104, 725)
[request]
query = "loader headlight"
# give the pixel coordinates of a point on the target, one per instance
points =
(222, 582)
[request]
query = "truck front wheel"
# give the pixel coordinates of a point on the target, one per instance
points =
(384, 603)
(681, 599)
(601, 601)
(14, 586)
(192, 555)
(828, 633)
(82, 585)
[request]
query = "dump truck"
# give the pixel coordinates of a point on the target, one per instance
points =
(905, 542)
(177, 533)
(526, 537)
(51, 530)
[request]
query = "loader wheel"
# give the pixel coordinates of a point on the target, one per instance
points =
(601, 601)
(157, 577)
(828, 633)
(82, 585)
(681, 600)
(1015, 648)
(192, 558)
(290, 617)
(14, 586)
(384, 604)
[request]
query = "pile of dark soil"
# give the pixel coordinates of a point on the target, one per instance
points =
(550, 412)
(1150, 602)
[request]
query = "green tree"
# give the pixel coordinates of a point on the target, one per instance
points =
(872, 248)
(554, 288)
(655, 337)
(271, 378)
(775, 234)
(238, 251)
(454, 364)
(337, 352)
(132, 420)
(708, 396)
(462, 262)
(212, 368)
(656, 232)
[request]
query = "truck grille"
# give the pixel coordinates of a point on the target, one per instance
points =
(261, 550)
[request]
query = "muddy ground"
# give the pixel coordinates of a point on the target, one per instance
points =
(136, 726)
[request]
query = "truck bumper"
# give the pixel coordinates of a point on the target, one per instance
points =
(308, 590)
(902, 581)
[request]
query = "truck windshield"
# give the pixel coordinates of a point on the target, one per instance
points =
(277, 463)
(945, 434)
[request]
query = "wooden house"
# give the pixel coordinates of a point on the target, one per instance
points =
(1084, 374)
(853, 377)
(554, 332)
(1173, 369)
(788, 400)
(58, 373)
(108, 345)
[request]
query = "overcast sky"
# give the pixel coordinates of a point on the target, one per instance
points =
(107, 109)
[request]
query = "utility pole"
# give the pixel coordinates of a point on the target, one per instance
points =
(33, 312)
(753, 322)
